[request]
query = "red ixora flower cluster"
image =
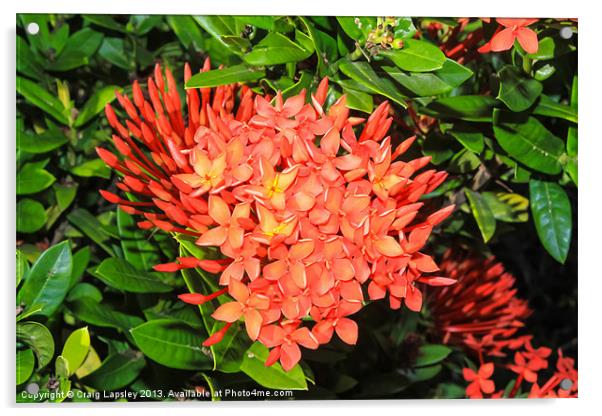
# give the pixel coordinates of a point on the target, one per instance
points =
(481, 312)
(304, 212)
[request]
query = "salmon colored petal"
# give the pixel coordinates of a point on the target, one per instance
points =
(424, 263)
(388, 246)
(236, 237)
(286, 179)
(330, 142)
(376, 292)
(486, 370)
(469, 374)
(278, 201)
(271, 335)
(293, 105)
(299, 275)
(290, 308)
(348, 162)
(413, 299)
(305, 338)
(238, 290)
(214, 237)
(218, 210)
(323, 331)
(273, 356)
(228, 312)
(302, 249)
(343, 269)
(516, 22)
(253, 321)
(346, 329)
(527, 39)
(487, 386)
(275, 270)
(503, 40)
(290, 355)
(303, 201)
(351, 291)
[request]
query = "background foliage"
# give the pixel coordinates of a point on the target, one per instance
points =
(91, 313)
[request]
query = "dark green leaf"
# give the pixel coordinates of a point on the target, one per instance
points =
(31, 216)
(550, 47)
(25, 363)
(262, 22)
(276, 49)
(92, 168)
(473, 140)
(172, 343)
(79, 48)
(430, 354)
(88, 310)
(138, 248)
(552, 216)
(466, 107)
(363, 73)
(113, 50)
(39, 97)
(516, 91)
(230, 75)
(91, 227)
(84, 290)
(119, 274)
(549, 108)
(48, 280)
(187, 30)
(530, 143)
(39, 338)
(117, 371)
(105, 21)
(417, 56)
(482, 214)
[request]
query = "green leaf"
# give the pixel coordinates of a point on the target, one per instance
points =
(516, 91)
(120, 274)
(262, 22)
(96, 104)
(363, 73)
(47, 282)
(31, 216)
(40, 143)
(113, 50)
(357, 99)
(507, 207)
(90, 364)
(138, 249)
(549, 48)
(39, 338)
(25, 364)
(482, 214)
(105, 21)
(76, 348)
(92, 168)
(472, 140)
(91, 227)
(275, 49)
(117, 371)
(549, 108)
(187, 30)
(84, 290)
(273, 377)
(230, 75)
(61, 367)
(172, 343)
(450, 76)
(32, 179)
(430, 354)
(217, 26)
(27, 62)
(552, 216)
(90, 311)
(22, 266)
(79, 48)
(530, 143)
(424, 373)
(465, 107)
(416, 56)
(39, 97)
(350, 27)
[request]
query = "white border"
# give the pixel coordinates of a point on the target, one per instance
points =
(590, 279)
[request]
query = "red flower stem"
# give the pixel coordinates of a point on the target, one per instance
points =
(517, 384)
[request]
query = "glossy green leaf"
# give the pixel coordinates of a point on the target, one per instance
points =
(549, 108)
(40, 143)
(117, 371)
(92, 168)
(76, 348)
(416, 56)
(96, 104)
(552, 216)
(88, 310)
(465, 107)
(39, 338)
(31, 216)
(230, 75)
(173, 344)
(187, 30)
(48, 280)
(42, 99)
(91, 227)
(507, 207)
(120, 274)
(273, 377)
(79, 48)
(25, 364)
(90, 364)
(263, 22)
(32, 179)
(430, 354)
(482, 214)
(363, 73)
(472, 140)
(104, 20)
(217, 26)
(450, 76)
(530, 143)
(551, 47)
(84, 290)
(22, 266)
(350, 26)
(516, 91)
(276, 49)
(113, 50)
(138, 248)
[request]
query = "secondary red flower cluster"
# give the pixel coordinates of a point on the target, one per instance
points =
(481, 312)
(304, 211)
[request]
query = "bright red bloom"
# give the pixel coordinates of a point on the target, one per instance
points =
(303, 204)
(479, 381)
(481, 310)
(509, 30)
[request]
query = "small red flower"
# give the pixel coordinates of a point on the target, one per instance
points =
(509, 30)
(479, 381)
